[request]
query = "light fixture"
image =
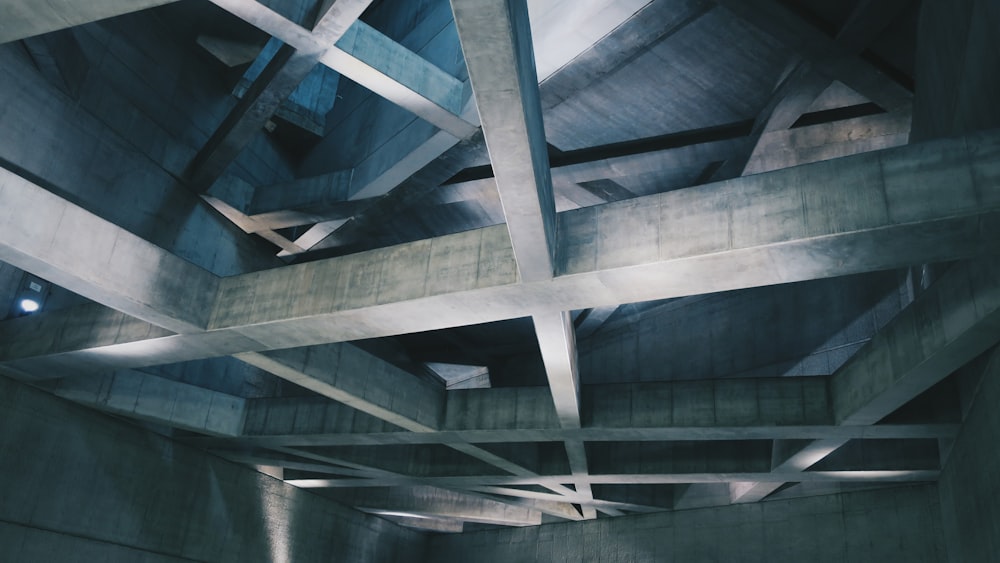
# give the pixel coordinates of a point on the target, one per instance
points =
(29, 305)
(31, 295)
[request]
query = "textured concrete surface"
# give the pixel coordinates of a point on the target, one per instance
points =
(969, 484)
(957, 58)
(892, 525)
(79, 486)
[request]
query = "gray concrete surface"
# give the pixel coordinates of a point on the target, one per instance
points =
(891, 525)
(969, 487)
(78, 485)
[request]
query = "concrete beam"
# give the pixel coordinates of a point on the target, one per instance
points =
(40, 233)
(948, 325)
(355, 378)
(557, 342)
(862, 213)
(559, 509)
(435, 502)
(282, 75)
(606, 506)
(566, 173)
(814, 143)
(425, 523)
(802, 85)
(651, 434)
(879, 476)
(292, 459)
(725, 409)
(742, 492)
(383, 66)
(641, 458)
(27, 18)
(147, 397)
(496, 41)
(372, 60)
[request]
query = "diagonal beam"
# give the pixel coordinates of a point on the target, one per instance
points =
(802, 85)
(371, 59)
(355, 378)
(378, 63)
(557, 508)
(603, 505)
(947, 326)
(862, 213)
(358, 379)
(282, 75)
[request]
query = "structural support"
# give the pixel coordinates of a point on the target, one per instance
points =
(947, 326)
(869, 212)
(505, 85)
(802, 85)
(557, 342)
(289, 67)
(879, 476)
(502, 73)
(371, 59)
(40, 233)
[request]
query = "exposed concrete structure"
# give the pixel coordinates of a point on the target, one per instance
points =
(553, 279)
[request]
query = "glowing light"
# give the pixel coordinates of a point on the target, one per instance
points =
(29, 305)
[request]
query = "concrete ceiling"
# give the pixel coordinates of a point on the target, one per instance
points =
(488, 263)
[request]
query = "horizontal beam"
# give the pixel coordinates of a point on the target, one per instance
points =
(915, 204)
(850, 215)
(880, 476)
(679, 433)
(431, 501)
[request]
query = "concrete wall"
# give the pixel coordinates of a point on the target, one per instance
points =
(80, 486)
(970, 481)
(957, 76)
(899, 524)
(120, 149)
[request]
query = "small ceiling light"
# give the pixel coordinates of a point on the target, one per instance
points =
(30, 297)
(29, 305)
